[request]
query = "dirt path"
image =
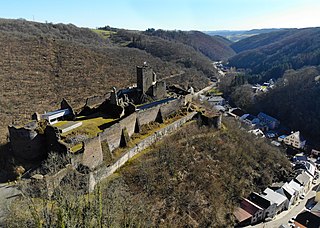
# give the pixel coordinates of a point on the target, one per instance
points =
(8, 193)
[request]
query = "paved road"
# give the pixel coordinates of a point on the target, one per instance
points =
(7, 194)
(173, 75)
(285, 216)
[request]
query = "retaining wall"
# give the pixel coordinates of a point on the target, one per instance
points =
(103, 172)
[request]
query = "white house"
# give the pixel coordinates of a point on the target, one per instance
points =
(282, 203)
(288, 192)
(269, 207)
(295, 140)
(257, 132)
(297, 187)
(304, 179)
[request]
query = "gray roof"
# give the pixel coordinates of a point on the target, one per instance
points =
(303, 178)
(273, 196)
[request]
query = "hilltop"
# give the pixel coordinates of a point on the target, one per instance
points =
(193, 178)
(214, 47)
(40, 63)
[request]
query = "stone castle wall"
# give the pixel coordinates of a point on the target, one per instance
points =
(148, 115)
(112, 136)
(95, 100)
(103, 172)
(171, 107)
(92, 153)
(129, 123)
(27, 143)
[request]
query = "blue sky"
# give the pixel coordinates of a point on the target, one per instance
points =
(169, 14)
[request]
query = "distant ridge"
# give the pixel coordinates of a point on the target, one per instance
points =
(269, 55)
(236, 35)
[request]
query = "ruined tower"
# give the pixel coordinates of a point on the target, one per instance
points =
(147, 82)
(145, 78)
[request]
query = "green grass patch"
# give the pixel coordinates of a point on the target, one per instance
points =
(215, 91)
(76, 147)
(60, 123)
(90, 126)
(103, 33)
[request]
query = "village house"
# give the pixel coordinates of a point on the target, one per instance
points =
(248, 213)
(236, 113)
(295, 140)
(288, 192)
(257, 132)
(250, 120)
(216, 100)
(269, 208)
(304, 179)
(282, 203)
(54, 116)
(271, 122)
(307, 166)
(297, 187)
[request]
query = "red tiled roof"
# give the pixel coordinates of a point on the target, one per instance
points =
(249, 206)
(241, 215)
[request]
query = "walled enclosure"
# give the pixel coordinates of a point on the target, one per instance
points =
(103, 172)
(134, 121)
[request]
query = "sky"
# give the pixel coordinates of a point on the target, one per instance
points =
(203, 15)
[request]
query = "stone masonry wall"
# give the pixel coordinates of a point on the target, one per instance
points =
(171, 107)
(27, 144)
(112, 136)
(129, 123)
(92, 154)
(103, 172)
(148, 115)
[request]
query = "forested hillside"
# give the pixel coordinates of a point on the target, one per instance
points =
(40, 63)
(269, 55)
(194, 178)
(295, 101)
(214, 47)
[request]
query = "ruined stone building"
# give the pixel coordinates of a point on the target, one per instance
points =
(46, 133)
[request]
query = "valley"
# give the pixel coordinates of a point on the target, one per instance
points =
(111, 127)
